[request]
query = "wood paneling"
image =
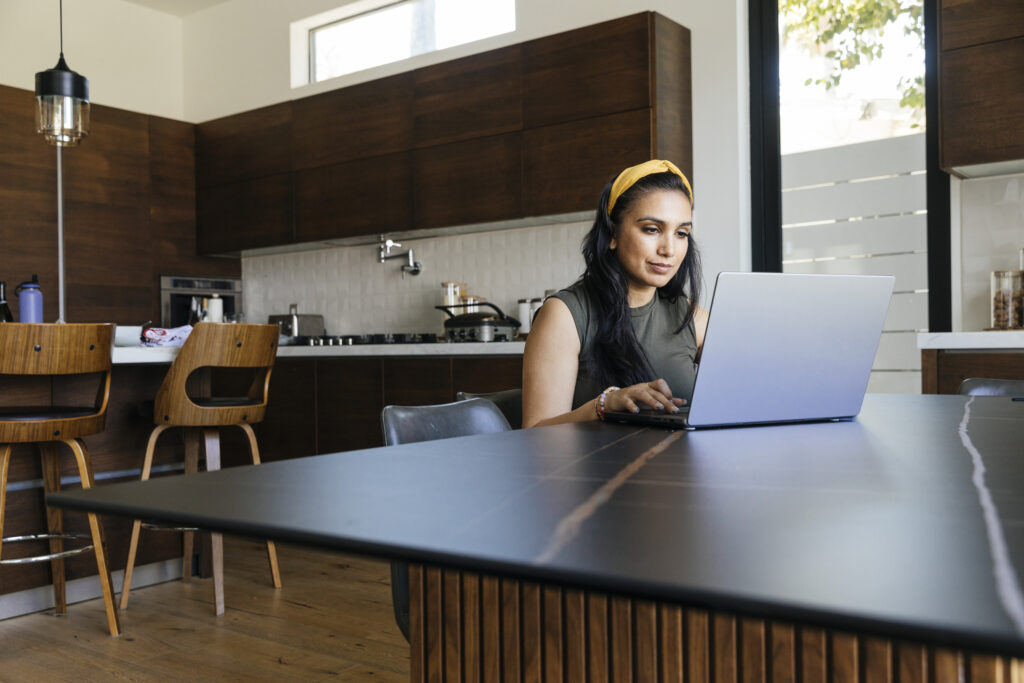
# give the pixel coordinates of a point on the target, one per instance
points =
(129, 192)
(106, 212)
(545, 627)
(468, 98)
(566, 165)
(245, 215)
(354, 198)
(473, 181)
(942, 371)
(973, 22)
(364, 120)
(244, 146)
(578, 74)
(172, 209)
(982, 114)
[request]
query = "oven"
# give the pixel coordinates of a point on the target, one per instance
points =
(177, 293)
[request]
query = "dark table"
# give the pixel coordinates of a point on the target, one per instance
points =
(907, 523)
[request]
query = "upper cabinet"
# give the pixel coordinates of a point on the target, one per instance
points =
(528, 130)
(981, 101)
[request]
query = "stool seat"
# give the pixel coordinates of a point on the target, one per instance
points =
(227, 402)
(49, 351)
(27, 413)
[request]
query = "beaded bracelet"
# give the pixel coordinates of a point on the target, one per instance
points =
(599, 405)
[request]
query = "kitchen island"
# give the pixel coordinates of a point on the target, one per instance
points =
(322, 400)
(883, 548)
(948, 358)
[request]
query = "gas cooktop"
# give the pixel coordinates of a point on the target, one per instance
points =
(356, 339)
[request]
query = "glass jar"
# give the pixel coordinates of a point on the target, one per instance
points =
(1007, 299)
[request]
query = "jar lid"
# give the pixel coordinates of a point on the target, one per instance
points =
(524, 301)
(1007, 273)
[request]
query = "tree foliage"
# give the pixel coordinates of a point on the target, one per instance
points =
(851, 31)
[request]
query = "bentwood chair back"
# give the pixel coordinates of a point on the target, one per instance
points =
(978, 386)
(218, 345)
(54, 350)
(410, 424)
(509, 402)
(182, 401)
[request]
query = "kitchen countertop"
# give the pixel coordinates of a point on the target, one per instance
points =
(129, 355)
(1001, 340)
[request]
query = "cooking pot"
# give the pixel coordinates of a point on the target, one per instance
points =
(482, 326)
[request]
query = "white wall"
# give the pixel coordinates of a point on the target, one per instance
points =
(131, 55)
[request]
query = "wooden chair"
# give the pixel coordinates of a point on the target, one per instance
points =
(410, 424)
(57, 350)
(210, 345)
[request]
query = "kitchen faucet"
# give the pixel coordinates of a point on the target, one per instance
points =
(413, 266)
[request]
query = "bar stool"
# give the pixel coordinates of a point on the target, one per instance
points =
(57, 350)
(210, 345)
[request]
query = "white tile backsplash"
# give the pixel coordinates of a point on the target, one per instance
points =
(357, 294)
(991, 236)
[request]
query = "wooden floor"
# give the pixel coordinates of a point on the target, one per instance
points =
(332, 620)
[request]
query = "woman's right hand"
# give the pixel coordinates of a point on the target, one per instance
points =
(656, 395)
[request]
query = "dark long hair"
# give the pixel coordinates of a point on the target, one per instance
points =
(618, 355)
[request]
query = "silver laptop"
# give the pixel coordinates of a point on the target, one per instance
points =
(782, 347)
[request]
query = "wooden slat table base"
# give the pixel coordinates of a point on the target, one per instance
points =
(467, 627)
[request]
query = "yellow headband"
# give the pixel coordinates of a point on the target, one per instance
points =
(632, 174)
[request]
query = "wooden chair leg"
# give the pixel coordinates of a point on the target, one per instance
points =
(50, 461)
(103, 570)
(211, 444)
(275, 572)
(133, 546)
(5, 458)
(188, 537)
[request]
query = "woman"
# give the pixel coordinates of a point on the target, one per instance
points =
(632, 320)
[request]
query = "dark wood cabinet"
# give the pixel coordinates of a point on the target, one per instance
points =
(245, 215)
(349, 398)
(360, 197)
(981, 66)
(473, 181)
(982, 104)
(943, 370)
(566, 165)
(528, 130)
(468, 98)
(483, 375)
(245, 146)
(365, 120)
(974, 22)
(601, 69)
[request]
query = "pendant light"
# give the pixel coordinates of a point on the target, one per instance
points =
(62, 118)
(62, 101)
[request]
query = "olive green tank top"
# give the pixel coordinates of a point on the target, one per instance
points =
(672, 356)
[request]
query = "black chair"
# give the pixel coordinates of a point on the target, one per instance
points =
(509, 402)
(979, 386)
(409, 424)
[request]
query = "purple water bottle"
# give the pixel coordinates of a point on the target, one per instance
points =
(30, 301)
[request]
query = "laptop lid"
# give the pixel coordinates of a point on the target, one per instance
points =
(785, 347)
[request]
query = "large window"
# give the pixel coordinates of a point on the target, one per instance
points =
(393, 31)
(844, 158)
